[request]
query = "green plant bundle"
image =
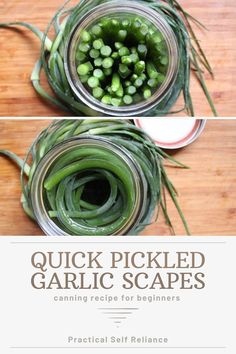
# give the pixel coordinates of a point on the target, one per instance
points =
(192, 57)
(66, 182)
(122, 60)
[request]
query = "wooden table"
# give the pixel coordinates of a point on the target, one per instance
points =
(20, 50)
(207, 192)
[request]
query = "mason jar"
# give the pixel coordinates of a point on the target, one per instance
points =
(38, 198)
(116, 9)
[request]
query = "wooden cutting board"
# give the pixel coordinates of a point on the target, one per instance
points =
(20, 50)
(207, 191)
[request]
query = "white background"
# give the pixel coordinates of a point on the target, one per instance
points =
(202, 322)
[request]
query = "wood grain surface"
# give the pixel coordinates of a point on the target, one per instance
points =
(20, 49)
(207, 191)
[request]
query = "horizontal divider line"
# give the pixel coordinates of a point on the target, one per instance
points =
(118, 308)
(132, 242)
(117, 313)
(118, 347)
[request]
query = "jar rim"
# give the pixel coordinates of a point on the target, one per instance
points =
(173, 53)
(36, 190)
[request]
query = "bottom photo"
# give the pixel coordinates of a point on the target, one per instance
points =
(101, 177)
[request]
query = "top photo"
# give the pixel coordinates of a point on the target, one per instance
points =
(117, 58)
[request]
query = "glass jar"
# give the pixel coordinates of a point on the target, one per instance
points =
(122, 9)
(40, 204)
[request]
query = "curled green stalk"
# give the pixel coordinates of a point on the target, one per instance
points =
(102, 177)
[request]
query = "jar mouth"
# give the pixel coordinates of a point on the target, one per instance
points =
(40, 205)
(93, 16)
